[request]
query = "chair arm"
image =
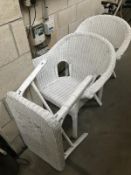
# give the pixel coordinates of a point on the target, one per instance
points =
(30, 78)
(60, 115)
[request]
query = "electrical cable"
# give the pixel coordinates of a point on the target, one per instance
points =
(29, 21)
(34, 16)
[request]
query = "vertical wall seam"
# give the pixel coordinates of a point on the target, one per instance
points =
(14, 39)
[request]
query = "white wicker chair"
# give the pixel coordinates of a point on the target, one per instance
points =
(113, 28)
(40, 129)
(86, 55)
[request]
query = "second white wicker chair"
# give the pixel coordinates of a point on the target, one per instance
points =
(85, 55)
(113, 28)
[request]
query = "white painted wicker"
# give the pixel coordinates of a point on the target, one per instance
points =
(113, 28)
(40, 129)
(86, 55)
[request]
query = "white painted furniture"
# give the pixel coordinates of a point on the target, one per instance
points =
(40, 129)
(85, 55)
(115, 29)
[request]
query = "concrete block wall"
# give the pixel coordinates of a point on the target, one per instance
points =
(68, 14)
(15, 65)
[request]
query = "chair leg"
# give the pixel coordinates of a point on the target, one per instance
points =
(75, 126)
(98, 97)
(100, 94)
(98, 100)
(114, 75)
(75, 145)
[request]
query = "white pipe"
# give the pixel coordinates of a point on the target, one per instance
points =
(119, 5)
(45, 10)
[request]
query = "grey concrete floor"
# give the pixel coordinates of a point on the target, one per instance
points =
(107, 150)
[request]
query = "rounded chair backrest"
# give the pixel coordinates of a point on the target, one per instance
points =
(39, 129)
(86, 55)
(113, 28)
